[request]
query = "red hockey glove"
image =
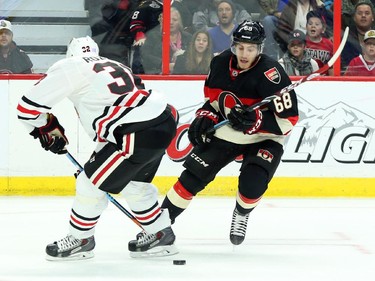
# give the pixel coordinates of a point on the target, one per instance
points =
(51, 135)
(244, 120)
(204, 121)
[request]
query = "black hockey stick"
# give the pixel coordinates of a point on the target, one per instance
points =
(292, 86)
(110, 197)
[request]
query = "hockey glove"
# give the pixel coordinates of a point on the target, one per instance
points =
(244, 120)
(201, 129)
(51, 135)
(140, 39)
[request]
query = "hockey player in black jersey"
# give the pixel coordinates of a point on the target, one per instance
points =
(239, 77)
(145, 18)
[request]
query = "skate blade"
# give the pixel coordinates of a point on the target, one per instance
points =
(74, 257)
(161, 251)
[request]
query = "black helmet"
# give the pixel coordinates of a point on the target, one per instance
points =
(249, 32)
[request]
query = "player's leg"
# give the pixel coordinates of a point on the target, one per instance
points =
(202, 165)
(158, 238)
(259, 165)
(108, 170)
(88, 205)
(142, 196)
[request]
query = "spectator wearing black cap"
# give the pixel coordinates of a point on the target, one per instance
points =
(296, 61)
(12, 58)
(318, 47)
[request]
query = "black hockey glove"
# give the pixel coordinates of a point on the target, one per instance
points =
(244, 120)
(201, 129)
(51, 135)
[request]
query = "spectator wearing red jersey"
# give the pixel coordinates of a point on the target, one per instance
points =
(318, 46)
(364, 64)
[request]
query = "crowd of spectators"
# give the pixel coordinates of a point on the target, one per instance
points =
(130, 31)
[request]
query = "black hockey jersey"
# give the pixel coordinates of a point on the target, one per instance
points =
(263, 79)
(145, 17)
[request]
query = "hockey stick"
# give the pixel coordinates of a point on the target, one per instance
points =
(292, 86)
(110, 197)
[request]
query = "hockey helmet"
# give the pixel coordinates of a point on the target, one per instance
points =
(82, 47)
(249, 32)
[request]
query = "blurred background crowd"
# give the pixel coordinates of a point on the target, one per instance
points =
(299, 33)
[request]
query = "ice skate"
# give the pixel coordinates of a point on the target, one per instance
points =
(71, 248)
(153, 245)
(238, 227)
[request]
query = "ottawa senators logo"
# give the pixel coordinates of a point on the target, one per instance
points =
(226, 101)
(265, 155)
(273, 75)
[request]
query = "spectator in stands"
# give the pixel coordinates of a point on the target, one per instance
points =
(109, 22)
(12, 58)
(206, 17)
(293, 17)
(151, 51)
(364, 64)
(196, 59)
(272, 9)
(296, 61)
(318, 47)
(347, 11)
(179, 39)
(221, 34)
(363, 19)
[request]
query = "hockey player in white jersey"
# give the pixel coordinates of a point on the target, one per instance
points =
(132, 128)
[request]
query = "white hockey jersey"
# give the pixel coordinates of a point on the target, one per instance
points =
(104, 93)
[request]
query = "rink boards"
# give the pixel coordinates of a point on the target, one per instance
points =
(331, 151)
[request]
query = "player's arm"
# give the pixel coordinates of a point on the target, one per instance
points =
(34, 110)
(138, 24)
(280, 115)
(42, 126)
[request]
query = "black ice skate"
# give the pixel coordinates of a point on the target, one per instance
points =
(71, 248)
(238, 227)
(153, 245)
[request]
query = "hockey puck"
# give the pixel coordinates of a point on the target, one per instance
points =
(179, 262)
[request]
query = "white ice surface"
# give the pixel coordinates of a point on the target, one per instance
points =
(287, 240)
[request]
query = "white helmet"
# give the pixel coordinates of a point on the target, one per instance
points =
(82, 47)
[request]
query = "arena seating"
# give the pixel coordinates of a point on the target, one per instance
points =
(43, 28)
